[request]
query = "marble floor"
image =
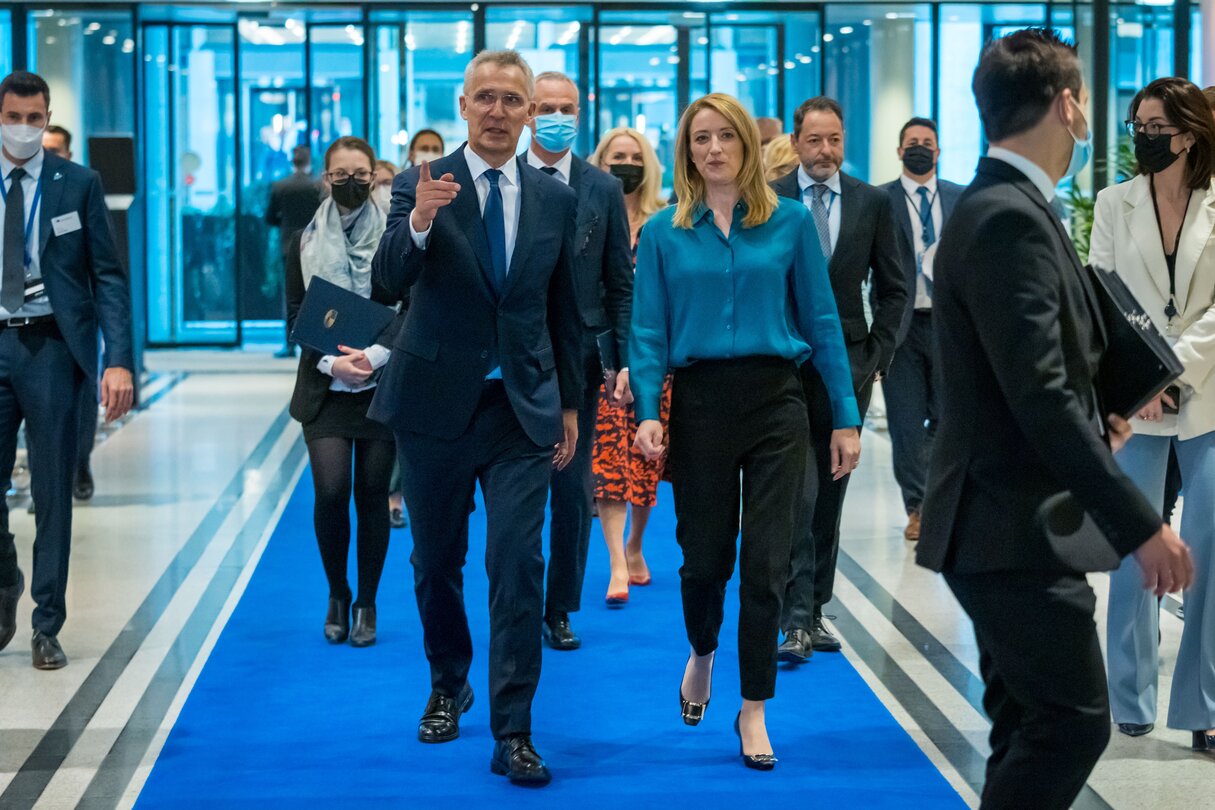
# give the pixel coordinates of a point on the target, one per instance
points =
(188, 490)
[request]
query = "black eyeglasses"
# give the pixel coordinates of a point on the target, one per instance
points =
(340, 177)
(1152, 129)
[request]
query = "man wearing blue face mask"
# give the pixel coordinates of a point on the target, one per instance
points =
(603, 281)
(1018, 341)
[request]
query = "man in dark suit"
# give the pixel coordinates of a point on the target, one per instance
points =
(603, 281)
(485, 379)
(1018, 340)
(61, 282)
(293, 204)
(858, 237)
(922, 204)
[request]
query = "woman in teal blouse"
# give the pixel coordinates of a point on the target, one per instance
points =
(732, 295)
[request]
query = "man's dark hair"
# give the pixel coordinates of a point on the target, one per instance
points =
(918, 122)
(1209, 93)
(1187, 109)
(1019, 76)
(301, 156)
(25, 84)
(816, 104)
(55, 129)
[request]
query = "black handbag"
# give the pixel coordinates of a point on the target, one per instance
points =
(1138, 362)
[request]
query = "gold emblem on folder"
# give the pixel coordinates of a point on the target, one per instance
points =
(330, 318)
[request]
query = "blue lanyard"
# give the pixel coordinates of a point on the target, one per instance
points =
(29, 224)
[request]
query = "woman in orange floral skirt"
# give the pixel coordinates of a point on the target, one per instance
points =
(623, 477)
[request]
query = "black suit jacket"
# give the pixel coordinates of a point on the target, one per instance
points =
(86, 283)
(455, 323)
(949, 194)
(603, 265)
(1018, 339)
(310, 383)
(293, 203)
(868, 241)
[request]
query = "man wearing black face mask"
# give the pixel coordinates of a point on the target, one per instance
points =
(922, 205)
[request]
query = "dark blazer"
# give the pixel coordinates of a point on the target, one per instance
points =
(293, 203)
(949, 194)
(455, 323)
(86, 283)
(310, 383)
(1018, 339)
(603, 265)
(868, 241)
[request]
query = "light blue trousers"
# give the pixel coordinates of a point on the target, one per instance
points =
(1132, 647)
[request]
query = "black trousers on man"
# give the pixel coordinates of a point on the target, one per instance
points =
(438, 479)
(40, 382)
(569, 534)
(1048, 702)
(732, 417)
(911, 409)
(816, 539)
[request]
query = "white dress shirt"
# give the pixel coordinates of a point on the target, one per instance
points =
(562, 166)
(29, 185)
(832, 200)
(511, 198)
(1036, 174)
(911, 190)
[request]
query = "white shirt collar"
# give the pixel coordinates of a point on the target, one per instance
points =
(562, 166)
(477, 166)
(33, 167)
(912, 187)
(1036, 174)
(804, 181)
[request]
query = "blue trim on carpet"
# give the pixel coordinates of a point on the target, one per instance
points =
(280, 718)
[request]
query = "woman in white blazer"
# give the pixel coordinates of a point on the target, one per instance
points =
(1157, 232)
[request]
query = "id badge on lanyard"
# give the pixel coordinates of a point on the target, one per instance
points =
(29, 224)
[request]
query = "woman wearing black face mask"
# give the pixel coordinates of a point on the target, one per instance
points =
(1155, 232)
(332, 394)
(623, 477)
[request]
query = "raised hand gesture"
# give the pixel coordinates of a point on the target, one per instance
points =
(431, 196)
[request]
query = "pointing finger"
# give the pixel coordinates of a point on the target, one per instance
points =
(424, 177)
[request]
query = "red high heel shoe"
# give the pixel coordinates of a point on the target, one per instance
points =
(640, 581)
(617, 599)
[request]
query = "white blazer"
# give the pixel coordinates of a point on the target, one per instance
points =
(1126, 240)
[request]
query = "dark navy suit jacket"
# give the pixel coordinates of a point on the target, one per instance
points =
(86, 283)
(456, 324)
(950, 192)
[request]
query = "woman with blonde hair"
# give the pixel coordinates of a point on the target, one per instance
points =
(732, 294)
(779, 158)
(623, 476)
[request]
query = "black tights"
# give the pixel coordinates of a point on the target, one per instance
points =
(331, 474)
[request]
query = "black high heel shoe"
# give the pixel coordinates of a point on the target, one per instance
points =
(759, 762)
(1203, 742)
(693, 713)
(337, 621)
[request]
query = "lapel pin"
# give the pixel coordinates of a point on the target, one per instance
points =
(58, 176)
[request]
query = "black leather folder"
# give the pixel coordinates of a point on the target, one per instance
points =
(331, 316)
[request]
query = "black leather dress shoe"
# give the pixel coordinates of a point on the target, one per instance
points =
(82, 487)
(820, 639)
(558, 634)
(1203, 742)
(8, 609)
(440, 722)
(337, 621)
(797, 648)
(362, 634)
(1136, 729)
(515, 757)
(47, 652)
(396, 518)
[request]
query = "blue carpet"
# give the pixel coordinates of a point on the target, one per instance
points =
(280, 718)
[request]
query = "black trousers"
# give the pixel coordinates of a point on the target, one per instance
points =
(816, 540)
(40, 382)
(729, 418)
(569, 534)
(911, 409)
(438, 479)
(1048, 701)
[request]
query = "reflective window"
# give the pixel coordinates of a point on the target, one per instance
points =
(338, 108)
(88, 60)
(879, 67)
(6, 39)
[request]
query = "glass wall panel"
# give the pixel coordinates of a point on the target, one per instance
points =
(747, 64)
(803, 61)
(88, 60)
(964, 31)
(879, 67)
(338, 103)
(190, 150)
(420, 61)
(6, 42)
(1195, 47)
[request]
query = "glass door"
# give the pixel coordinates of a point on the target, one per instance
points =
(190, 170)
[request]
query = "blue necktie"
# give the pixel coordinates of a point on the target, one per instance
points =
(927, 231)
(495, 229)
(12, 283)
